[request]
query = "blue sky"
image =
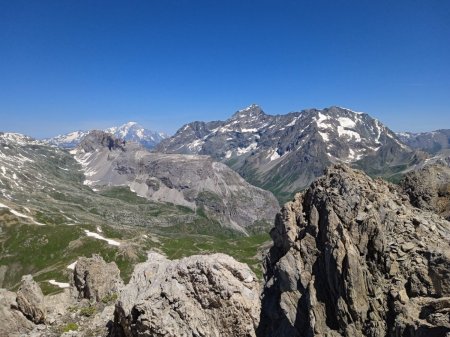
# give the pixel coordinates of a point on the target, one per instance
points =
(81, 64)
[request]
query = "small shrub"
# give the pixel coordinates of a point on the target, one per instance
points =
(70, 327)
(87, 311)
(109, 298)
(72, 309)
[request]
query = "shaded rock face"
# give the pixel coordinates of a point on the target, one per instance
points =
(30, 300)
(352, 257)
(95, 279)
(211, 295)
(429, 189)
(97, 138)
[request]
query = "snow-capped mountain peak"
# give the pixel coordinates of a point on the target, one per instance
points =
(130, 131)
(265, 146)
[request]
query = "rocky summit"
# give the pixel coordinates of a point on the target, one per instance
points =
(285, 153)
(352, 257)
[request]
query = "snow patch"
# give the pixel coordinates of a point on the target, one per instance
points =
(21, 215)
(274, 155)
(59, 284)
(324, 136)
(321, 119)
(356, 112)
(252, 146)
(292, 123)
(349, 133)
(99, 237)
(196, 144)
(72, 265)
(346, 122)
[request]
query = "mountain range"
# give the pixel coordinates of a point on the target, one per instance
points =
(285, 153)
(130, 131)
(432, 142)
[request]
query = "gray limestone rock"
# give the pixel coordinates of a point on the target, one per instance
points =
(30, 300)
(210, 295)
(352, 257)
(13, 322)
(95, 279)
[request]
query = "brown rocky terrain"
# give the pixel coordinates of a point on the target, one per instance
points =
(353, 257)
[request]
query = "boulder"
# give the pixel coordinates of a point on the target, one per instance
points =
(13, 322)
(30, 300)
(95, 279)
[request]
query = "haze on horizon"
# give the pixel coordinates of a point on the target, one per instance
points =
(69, 65)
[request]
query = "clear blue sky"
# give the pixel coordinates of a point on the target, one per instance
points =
(80, 64)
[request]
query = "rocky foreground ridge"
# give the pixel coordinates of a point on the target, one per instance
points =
(351, 256)
(210, 295)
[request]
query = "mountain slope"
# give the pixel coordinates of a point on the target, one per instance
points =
(284, 153)
(196, 182)
(130, 131)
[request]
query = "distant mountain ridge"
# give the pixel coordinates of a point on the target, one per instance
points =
(285, 153)
(431, 142)
(130, 131)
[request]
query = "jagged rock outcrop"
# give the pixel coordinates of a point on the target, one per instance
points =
(95, 279)
(209, 295)
(429, 188)
(352, 257)
(30, 300)
(13, 322)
